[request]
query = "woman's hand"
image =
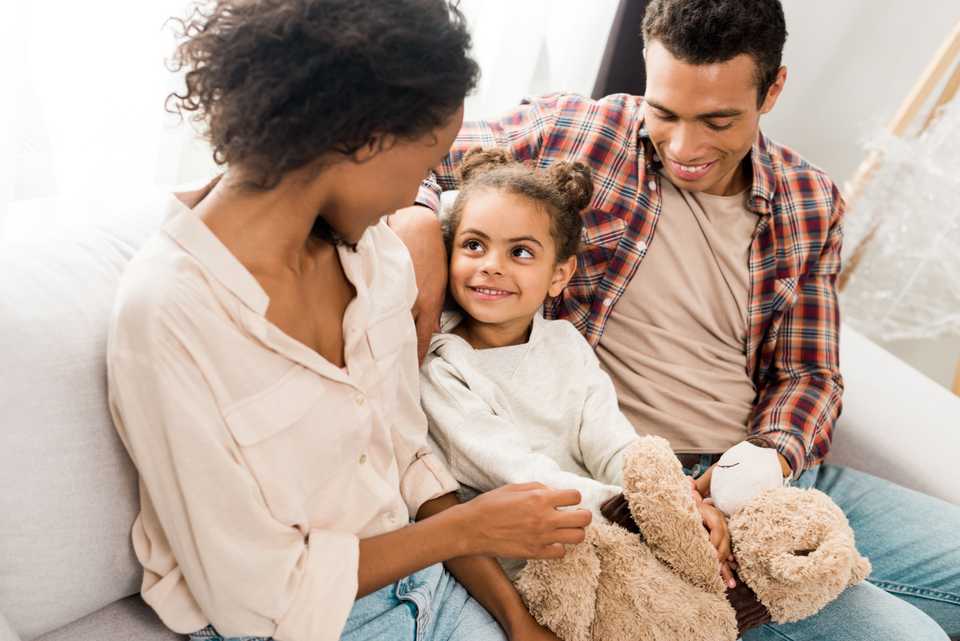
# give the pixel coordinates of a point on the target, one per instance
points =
(523, 522)
(531, 631)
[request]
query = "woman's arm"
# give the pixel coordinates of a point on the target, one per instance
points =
(486, 581)
(514, 521)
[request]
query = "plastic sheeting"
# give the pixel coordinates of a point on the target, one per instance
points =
(907, 283)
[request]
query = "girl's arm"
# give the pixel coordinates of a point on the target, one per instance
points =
(605, 433)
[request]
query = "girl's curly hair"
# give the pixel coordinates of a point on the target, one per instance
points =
(564, 189)
(279, 84)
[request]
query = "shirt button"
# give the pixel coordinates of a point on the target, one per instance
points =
(607, 302)
(652, 185)
(363, 459)
(641, 246)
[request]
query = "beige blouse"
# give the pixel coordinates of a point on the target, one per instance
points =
(261, 463)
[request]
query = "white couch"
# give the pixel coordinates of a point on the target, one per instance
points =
(68, 492)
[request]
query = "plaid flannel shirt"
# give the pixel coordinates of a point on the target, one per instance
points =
(793, 319)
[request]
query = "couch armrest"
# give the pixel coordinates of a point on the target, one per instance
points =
(896, 423)
(7, 632)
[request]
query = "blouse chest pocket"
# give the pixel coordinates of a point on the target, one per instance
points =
(391, 339)
(293, 437)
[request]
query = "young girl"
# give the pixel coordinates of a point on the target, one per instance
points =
(509, 395)
(262, 353)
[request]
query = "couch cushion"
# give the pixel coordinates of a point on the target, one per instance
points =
(67, 488)
(126, 620)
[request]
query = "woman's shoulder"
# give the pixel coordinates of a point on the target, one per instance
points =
(387, 267)
(162, 285)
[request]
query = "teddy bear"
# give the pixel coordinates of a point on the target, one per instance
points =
(794, 549)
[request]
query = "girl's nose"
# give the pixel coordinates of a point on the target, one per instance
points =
(491, 265)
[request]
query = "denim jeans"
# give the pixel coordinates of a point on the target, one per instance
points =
(913, 542)
(428, 605)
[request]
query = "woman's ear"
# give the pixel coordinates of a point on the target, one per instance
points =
(376, 144)
(562, 275)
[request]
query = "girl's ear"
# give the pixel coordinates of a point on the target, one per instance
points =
(562, 275)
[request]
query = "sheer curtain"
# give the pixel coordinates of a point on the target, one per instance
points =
(84, 81)
(82, 111)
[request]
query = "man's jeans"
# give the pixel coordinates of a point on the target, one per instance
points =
(913, 542)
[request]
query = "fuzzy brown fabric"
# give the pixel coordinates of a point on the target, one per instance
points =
(663, 507)
(794, 549)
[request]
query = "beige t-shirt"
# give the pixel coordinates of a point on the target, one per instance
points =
(675, 344)
(261, 463)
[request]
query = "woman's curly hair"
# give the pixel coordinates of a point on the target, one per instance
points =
(279, 84)
(564, 189)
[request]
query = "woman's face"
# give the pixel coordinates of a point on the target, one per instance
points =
(503, 260)
(380, 181)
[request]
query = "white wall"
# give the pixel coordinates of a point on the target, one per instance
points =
(851, 63)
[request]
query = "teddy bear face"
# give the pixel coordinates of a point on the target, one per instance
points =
(742, 473)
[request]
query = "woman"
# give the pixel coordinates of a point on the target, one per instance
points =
(262, 355)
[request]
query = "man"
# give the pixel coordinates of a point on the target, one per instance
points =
(707, 286)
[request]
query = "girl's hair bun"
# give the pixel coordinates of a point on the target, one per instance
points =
(479, 161)
(574, 182)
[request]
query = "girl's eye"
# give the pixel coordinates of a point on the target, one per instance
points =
(473, 245)
(522, 252)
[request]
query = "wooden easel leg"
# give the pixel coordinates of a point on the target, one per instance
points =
(956, 381)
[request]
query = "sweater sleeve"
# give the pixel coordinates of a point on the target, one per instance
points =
(486, 450)
(605, 433)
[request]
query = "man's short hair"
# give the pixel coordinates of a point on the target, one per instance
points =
(710, 31)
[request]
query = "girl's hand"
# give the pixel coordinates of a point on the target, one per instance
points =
(532, 631)
(523, 522)
(716, 524)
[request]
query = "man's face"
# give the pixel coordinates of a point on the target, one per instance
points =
(704, 119)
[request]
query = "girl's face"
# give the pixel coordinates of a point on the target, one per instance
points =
(503, 261)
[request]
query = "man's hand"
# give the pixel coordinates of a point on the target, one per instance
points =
(420, 231)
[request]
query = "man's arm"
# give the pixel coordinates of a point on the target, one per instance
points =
(420, 231)
(798, 407)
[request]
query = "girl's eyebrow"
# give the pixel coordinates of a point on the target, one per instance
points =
(476, 232)
(528, 238)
